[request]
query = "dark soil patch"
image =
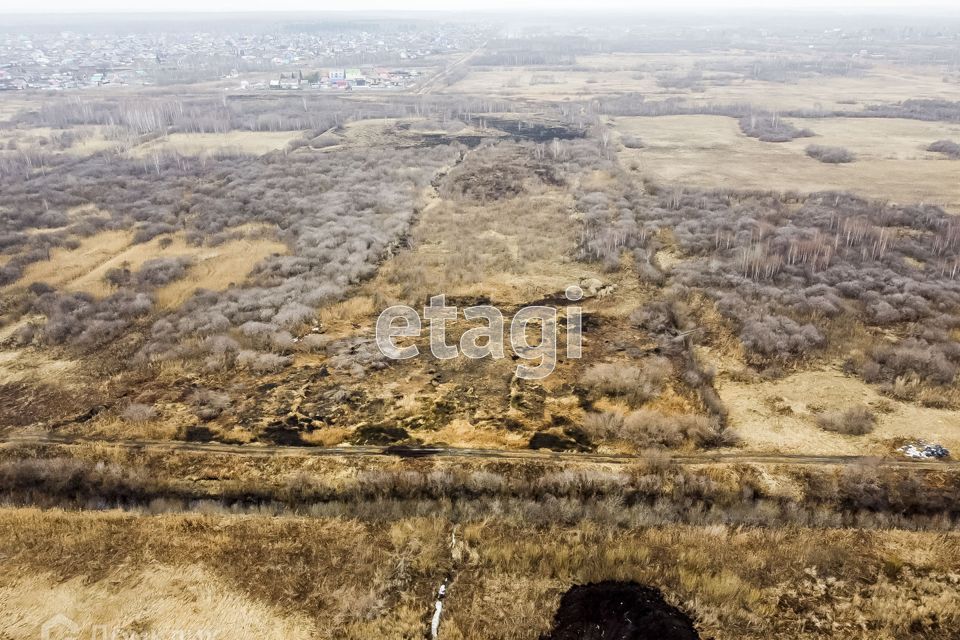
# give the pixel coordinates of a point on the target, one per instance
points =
(379, 435)
(572, 439)
(406, 451)
(198, 433)
(618, 611)
(489, 183)
(437, 139)
(536, 131)
(282, 435)
(495, 173)
(25, 403)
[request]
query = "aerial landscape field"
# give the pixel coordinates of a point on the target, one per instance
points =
(680, 342)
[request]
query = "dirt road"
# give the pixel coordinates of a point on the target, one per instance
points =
(265, 450)
(434, 81)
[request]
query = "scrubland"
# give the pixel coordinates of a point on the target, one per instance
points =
(770, 258)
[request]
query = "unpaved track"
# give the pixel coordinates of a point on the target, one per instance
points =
(267, 451)
(432, 82)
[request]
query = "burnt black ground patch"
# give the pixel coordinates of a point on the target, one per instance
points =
(535, 131)
(612, 610)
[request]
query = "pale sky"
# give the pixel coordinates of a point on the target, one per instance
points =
(592, 6)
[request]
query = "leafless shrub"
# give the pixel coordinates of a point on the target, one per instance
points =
(919, 358)
(633, 383)
(779, 336)
(118, 277)
(657, 317)
(137, 413)
(603, 426)
(855, 421)
(947, 147)
(209, 404)
(769, 127)
(262, 362)
(713, 434)
(647, 428)
(157, 272)
(830, 155)
(314, 342)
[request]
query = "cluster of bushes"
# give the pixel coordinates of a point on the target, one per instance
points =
(769, 127)
(774, 335)
(81, 319)
(947, 147)
(501, 171)
(636, 104)
(634, 384)
(609, 227)
(338, 212)
(855, 421)
(631, 141)
(155, 272)
(859, 494)
(692, 80)
(785, 268)
(830, 155)
(917, 109)
(649, 428)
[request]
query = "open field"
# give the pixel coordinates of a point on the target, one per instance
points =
(75, 141)
(881, 84)
(711, 151)
(781, 416)
(724, 81)
(199, 144)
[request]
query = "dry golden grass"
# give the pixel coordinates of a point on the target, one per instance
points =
(333, 578)
(487, 436)
(607, 74)
(66, 266)
(243, 577)
(711, 151)
(7, 331)
(882, 84)
(347, 312)
(878, 138)
(17, 365)
(10, 105)
(218, 267)
(89, 139)
(84, 268)
(780, 415)
(733, 581)
(196, 144)
(181, 598)
(505, 255)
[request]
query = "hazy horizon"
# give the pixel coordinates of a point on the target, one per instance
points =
(60, 7)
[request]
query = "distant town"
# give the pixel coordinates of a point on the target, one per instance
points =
(324, 56)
